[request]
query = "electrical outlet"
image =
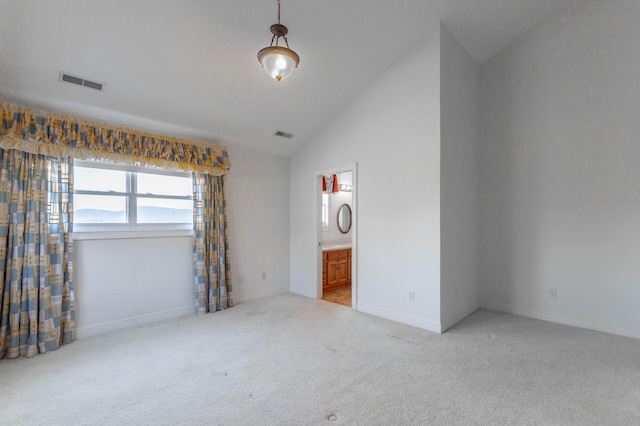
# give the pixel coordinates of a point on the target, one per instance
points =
(264, 275)
(412, 296)
(553, 293)
(241, 279)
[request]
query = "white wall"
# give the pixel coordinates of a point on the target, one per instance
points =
(392, 131)
(459, 82)
(258, 208)
(124, 282)
(560, 171)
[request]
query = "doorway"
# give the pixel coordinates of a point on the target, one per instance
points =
(337, 235)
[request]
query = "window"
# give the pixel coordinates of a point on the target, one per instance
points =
(325, 210)
(108, 197)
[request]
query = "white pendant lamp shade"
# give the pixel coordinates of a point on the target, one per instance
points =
(278, 62)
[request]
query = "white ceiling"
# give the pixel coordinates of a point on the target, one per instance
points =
(189, 68)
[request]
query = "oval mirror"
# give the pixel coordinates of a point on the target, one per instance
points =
(344, 218)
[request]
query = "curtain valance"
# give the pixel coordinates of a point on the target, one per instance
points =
(40, 132)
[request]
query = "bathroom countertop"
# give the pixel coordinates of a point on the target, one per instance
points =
(342, 246)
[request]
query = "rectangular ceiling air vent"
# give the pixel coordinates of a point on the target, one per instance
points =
(73, 79)
(283, 134)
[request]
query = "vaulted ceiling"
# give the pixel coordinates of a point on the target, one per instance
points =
(189, 68)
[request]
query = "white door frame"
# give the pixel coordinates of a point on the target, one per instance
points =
(317, 185)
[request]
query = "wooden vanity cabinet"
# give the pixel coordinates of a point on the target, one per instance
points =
(336, 267)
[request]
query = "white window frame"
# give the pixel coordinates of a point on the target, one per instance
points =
(131, 229)
(326, 204)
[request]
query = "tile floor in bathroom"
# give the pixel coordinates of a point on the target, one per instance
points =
(338, 294)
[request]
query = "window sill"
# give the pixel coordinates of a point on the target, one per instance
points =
(122, 235)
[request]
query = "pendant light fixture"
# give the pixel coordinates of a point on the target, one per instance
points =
(278, 61)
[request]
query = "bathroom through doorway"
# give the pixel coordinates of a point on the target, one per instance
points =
(337, 229)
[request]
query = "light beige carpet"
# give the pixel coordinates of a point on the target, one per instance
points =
(288, 360)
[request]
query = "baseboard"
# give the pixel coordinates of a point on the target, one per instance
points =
(452, 320)
(94, 330)
(302, 291)
(621, 330)
(239, 298)
(401, 318)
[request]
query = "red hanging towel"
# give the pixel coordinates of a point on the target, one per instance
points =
(335, 184)
(324, 184)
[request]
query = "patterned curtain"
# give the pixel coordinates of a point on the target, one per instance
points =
(57, 135)
(36, 216)
(211, 264)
